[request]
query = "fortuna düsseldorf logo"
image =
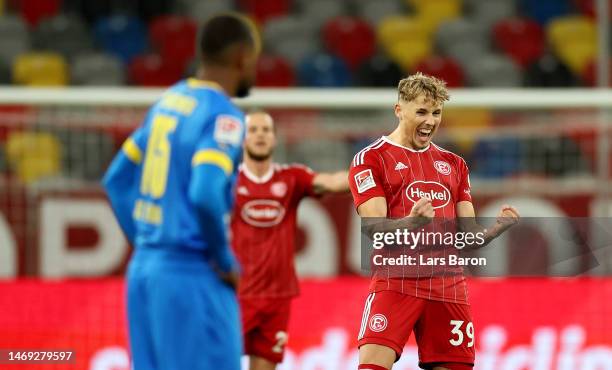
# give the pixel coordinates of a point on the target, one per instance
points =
(378, 322)
(438, 193)
(442, 167)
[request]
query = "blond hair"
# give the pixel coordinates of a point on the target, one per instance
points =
(413, 86)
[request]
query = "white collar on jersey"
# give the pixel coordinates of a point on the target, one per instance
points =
(258, 180)
(386, 139)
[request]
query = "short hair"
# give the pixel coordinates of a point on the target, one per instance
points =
(417, 84)
(223, 31)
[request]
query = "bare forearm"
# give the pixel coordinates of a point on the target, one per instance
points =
(334, 182)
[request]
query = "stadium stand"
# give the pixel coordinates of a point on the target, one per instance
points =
(40, 69)
(34, 155)
(324, 70)
(274, 71)
(408, 32)
(97, 69)
(378, 71)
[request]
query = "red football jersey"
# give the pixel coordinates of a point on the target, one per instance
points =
(264, 227)
(402, 176)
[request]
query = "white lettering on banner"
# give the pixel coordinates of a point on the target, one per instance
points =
(320, 255)
(549, 350)
(110, 358)
(8, 250)
(56, 215)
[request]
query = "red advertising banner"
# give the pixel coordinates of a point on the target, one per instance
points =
(521, 324)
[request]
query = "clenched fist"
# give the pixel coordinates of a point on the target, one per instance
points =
(507, 217)
(422, 211)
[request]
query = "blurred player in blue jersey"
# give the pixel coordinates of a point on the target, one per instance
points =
(170, 188)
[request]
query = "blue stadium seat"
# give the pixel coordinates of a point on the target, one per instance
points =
(545, 10)
(496, 158)
(122, 36)
(324, 70)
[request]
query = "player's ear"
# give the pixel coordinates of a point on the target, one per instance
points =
(397, 110)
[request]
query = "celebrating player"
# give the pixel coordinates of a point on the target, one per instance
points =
(263, 232)
(406, 176)
(170, 188)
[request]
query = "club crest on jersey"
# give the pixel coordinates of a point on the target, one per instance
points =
(438, 193)
(378, 323)
(278, 189)
(262, 213)
(228, 130)
(364, 181)
(442, 167)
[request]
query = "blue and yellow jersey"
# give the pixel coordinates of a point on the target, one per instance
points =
(193, 123)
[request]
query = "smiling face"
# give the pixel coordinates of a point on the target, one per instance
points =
(419, 119)
(260, 139)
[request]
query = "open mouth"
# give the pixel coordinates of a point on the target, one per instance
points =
(424, 133)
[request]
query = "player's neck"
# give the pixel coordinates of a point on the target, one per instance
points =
(219, 75)
(399, 137)
(258, 168)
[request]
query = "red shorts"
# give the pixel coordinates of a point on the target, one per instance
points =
(444, 331)
(264, 326)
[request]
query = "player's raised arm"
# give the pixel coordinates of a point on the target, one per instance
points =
(331, 182)
(121, 182)
(507, 217)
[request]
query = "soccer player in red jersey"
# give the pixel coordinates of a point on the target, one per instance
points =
(406, 176)
(263, 233)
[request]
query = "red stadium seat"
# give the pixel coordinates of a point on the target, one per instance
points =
(444, 68)
(273, 71)
(262, 10)
(521, 39)
(589, 75)
(153, 70)
(174, 37)
(350, 38)
(35, 10)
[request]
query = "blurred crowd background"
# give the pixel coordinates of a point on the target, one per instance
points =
(315, 43)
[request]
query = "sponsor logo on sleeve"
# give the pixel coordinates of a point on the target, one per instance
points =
(364, 181)
(228, 130)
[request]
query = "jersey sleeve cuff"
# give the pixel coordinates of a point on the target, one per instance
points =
(214, 157)
(132, 151)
